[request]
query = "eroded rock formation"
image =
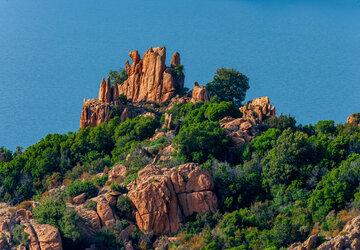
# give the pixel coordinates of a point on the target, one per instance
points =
(354, 118)
(163, 197)
(200, 94)
(95, 112)
(349, 239)
(245, 129)
(41, 236)
(149, 79)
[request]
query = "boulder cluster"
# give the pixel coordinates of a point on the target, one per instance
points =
(41, 236)
(245, 129)
(349, 238)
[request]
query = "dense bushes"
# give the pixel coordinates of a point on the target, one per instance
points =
(199, 141)
(289, 182)
(200, 136)
(79, 187)
(54, 212)
(88, 151)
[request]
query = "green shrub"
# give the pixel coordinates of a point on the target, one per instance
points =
(100, 182)
(107, 240)
(115, 186)
(91, 205)
(19, 237)
(55, 213)
(282, 122)
(123, 205)
(179, 69)
(138, 128)
(199, 141)
(79, 187)
(123, 99)
(229, 85)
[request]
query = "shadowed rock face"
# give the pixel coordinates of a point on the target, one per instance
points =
(163, 197)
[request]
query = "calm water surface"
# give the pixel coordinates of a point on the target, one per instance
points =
(304, 55)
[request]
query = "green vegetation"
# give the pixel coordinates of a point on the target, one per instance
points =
(179, 69)
(79, 187)
(291, 181)
(118, 76)
(54, 212)
(229, 85)
(19, 236)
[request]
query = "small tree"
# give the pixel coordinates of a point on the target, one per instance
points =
(229, 85)
(118, 76)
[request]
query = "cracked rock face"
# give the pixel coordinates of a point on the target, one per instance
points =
(164, 197)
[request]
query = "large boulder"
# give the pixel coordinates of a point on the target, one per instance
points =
(105, 212)
(200, 94)
(91, 220)
(163, 197)
(117, 173)
(48, 236)
(259, 109)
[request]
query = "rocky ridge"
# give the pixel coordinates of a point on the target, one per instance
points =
(149, 80)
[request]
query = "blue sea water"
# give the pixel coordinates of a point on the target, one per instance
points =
(304, 55)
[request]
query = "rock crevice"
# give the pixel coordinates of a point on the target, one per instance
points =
(164, 197)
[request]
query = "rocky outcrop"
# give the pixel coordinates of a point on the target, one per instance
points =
(79, 199)
(105, 91)
(354, 118)
(48, 236)
(309, 244)
(105, 212)
(163, 197)
(259, 109)
(244, 129)
(117, 173)
(41, 236)
(349, 238)
(95, 112)
(200, 94)
(91, 220)
(149, 79)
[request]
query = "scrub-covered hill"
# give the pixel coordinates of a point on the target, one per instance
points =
(155, 165)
